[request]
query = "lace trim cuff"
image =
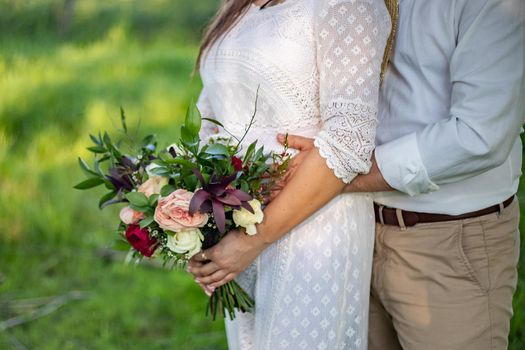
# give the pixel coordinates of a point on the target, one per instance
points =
(346, 171)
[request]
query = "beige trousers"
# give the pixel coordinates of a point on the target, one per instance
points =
(445, 286)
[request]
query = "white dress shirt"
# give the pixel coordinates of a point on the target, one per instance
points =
(452, 106)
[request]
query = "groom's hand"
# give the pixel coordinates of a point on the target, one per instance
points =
(226, 260)
(299, 143)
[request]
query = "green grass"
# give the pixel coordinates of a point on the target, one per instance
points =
(55, 88)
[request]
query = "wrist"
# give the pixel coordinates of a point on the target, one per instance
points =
(261, 238)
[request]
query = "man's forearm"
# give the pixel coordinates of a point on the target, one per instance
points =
(371, 182)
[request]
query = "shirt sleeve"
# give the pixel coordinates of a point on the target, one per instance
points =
(204, 106)
(351, 39)
(487, 106)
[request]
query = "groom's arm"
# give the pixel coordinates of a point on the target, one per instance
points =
(487, 105)
(371, 182)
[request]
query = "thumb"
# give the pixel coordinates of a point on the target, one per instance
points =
(296, 142)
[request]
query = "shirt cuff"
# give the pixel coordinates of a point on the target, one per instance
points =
(400, 164)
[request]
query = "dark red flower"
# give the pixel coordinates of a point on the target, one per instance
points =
(237, 163)
(140, 240)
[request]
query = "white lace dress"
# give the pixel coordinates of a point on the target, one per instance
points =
(317, 63)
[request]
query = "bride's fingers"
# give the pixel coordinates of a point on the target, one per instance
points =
(204, 270)
(215, 277)
(296, 142)
(222, 282)
(207, 289)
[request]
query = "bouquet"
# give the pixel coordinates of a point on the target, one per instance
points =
(184, 198)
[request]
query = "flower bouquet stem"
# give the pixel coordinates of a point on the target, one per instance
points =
(227, 298)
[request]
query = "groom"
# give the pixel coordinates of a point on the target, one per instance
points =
(446, 171)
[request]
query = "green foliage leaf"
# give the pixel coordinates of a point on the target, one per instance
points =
(95, 140)
(89, 183)
(85, 167)
(188, 138)
(153, 198)
(146, 221)
(214, 121)
(217, 149)
(106, 198)
(138, 199)
(97, 149)
(249, 153)
(141, 208)
(107, 139)
(167, 190)
(193, 119)
(123, 120)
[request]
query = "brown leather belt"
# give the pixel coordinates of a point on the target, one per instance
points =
(397, 217)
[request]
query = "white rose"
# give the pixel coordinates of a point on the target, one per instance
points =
(150, 167)
(178, 150)
(153, 185)
(248, 220)
(189, 241)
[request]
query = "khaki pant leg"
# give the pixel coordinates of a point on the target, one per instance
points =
(450, 285)
(381, 332)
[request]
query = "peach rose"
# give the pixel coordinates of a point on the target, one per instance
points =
(172, 212)
(130, 216)
(153, 185)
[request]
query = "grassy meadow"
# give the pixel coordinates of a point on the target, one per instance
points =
(66, 67)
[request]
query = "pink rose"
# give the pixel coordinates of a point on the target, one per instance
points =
(153, 185)
(130, 216)
(172, 212)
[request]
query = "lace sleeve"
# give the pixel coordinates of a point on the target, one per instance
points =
(203, 105)
(351, 39)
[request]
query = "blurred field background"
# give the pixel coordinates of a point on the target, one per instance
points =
(66, 66)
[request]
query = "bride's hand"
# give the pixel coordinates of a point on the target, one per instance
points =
(299, 143)
(226, 260)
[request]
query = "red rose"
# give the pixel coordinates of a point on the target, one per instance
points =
(140, 240)
(237, 163)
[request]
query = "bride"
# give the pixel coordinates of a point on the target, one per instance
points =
(317, 64)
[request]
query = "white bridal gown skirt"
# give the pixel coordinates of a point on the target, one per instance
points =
(311, 288)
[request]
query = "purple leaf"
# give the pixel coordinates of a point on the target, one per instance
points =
(248, 207)
(225, 181)
(216, 189)
(199, 176)
(218, 214)
(229, 199)
(243, 196)
(197, 200)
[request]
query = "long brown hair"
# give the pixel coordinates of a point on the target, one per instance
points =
(228, 14)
